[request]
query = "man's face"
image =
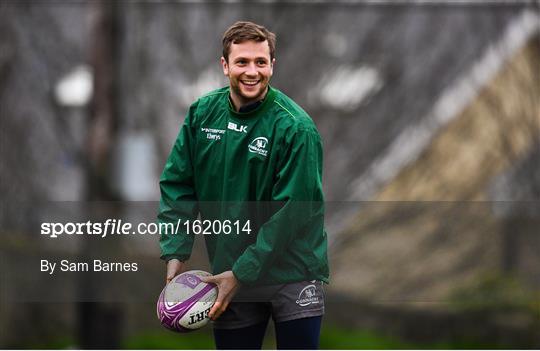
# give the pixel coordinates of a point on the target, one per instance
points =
(249, 70)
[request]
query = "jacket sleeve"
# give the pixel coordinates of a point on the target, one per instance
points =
(178, 198)
(298, 189)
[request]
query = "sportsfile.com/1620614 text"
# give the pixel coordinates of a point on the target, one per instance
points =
(120, 227)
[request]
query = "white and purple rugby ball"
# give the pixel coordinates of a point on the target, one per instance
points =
(184, 303)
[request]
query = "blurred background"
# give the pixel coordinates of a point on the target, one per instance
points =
(430, 117)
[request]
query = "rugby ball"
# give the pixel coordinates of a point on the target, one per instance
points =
(185, 301)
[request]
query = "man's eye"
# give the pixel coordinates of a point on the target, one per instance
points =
(241, 62)
(261, 62)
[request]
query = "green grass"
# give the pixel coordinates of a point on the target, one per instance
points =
(197, 340)
(170, 340)
(337, 338)
(53, 343)
(332, 337)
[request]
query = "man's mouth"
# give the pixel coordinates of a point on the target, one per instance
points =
(250, 83)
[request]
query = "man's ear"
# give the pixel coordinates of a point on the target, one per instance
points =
(272, 65)
(225, 66)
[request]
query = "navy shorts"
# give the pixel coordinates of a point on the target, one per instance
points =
(283, 302)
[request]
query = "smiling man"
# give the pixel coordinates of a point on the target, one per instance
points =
(258, 155)
(249, 65)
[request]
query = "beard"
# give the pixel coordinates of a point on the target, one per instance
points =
(247, 95)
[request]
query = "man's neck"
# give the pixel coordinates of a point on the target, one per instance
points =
(239, 105)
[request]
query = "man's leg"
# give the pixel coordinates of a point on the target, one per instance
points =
(297, 310)
(242, 338)
(242, 325)
(298, 334)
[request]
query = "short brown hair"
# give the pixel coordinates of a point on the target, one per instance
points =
(242, 31)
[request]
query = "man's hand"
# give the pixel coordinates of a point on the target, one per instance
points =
(174, 267)
(227, 285)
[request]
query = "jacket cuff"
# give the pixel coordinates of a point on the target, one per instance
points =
(243, 275)
(181, 258)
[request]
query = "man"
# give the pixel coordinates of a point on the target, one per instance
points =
(249, 153)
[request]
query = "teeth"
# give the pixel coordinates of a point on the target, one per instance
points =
(250, 82)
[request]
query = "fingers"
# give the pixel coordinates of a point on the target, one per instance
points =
(210, 279)
(174, 267)
(218, 305)
(214, 309)
(227, 286)
(170, 275)
(217, 309)
(221, 303)
(206, 280)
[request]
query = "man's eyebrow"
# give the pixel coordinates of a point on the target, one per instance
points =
(247, 58)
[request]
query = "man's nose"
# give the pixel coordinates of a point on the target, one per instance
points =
(251, 69)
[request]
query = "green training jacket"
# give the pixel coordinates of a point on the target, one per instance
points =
(262, 166)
